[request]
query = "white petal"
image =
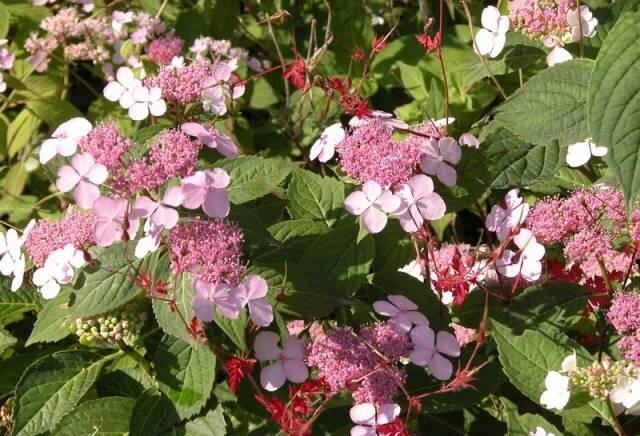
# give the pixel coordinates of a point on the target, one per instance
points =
(483, 42)
(557, 56)
(139, 111)
(578, 154)
(490, 18)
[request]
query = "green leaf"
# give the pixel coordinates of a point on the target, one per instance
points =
(53, 110)
(169, 320)
(343, 257)
(551, 106)
(15, 303)
(614, 103)
(235, 329)
(101, 417)
(212, 424)
(514, 162)
(12, 368)
(20, 130)
(111, 284)
(50, 326)
(551, 305)
(7, 340)
(527, 359)
(222, 17)
(50, 389)
(186, 373)
(473, 181)
(285, 230)
(152, 414)
(253, 177)
(393, 248)
(315, 197)
(4, 20)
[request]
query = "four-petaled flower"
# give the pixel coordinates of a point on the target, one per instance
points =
(57, 270)
(84, 174)
(526, 261)
(252, 292)
(372, 204)
(64, 140)
(206, 189)
(325, 147)
(504, 220)
(288, 362)
(556, 394)
(208, 296)
(161, 213)
(626, 391)
(429, 348)
(212, 138)
(217, 87)
(12, 260)
(419, 203)
(491, 38)
(110, 219)
(121, 89)
(585, 22)
(438, 156)
(145, 101)
(580, 153)
(368, 416)
(402, 311)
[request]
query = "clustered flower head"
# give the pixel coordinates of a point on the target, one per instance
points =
(181, 85)
(162, 50)
(539, 18)
(107, 146)
(624, 315)
(209, 250)
(588, 225)
(601, 377)
(110, 329)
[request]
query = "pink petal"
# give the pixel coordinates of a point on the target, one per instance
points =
(440, 367)
(255, 286)
(203, 308)
(67, 146)
(86, 194)
(430, 149)
(193, 129)
(266, 346)
(429, 165)
(165, 217)
(260, 312)
(421, 186)
(364, 413)
(401, 322)
(295, 370)
(356, 203)
(372, 190)
(220, 178)
(423, 337)
(225, 145)
(387, 413)
(294, 348)
(173, 196)
(82, 163)
(97, 174)
(374, 220)
(194, 189)
(408, 223)
(446, 174)
(143, 207)
(446, 343)
(106, 232)
(273, 377)
(417, 318)
(431, 206)
(67, 178)
(402, 302)
(385, 308)
(450, 150)
(363, 430)
(216, 203)
(221, 72)
(421, 356)
(388, 202)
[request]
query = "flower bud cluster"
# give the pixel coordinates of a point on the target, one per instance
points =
(599, 378)
(112, 328)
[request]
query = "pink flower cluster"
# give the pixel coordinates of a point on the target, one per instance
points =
(539, 18)
(624, 315)
(182, 85)
(162, 50)
(209, 250)
(347, 360)
(75, 228)
(173, 154)
(587, 224)
(106, 145)
(370, 153)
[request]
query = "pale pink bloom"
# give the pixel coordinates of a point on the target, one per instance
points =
(6, 58)
(64, 140)
(12, 260)
(504, 220)
(109, 218)
(580, 153)
(558, 54)
(212, 138)
(430, 349)
(469, 140)
(217, 88)
(121, 89)
(252, 292)
(419, 203)
(491, 38)
(86, 174)
(384, 117)
(161, 213)
(325, 147)
(369, 415)
(402, 311)
(208, 296)
(526, 261)
(146, 100)
(207, 189)
(438, 156)
(586, 23)
(118, 20)
(372, 204)
(556, 394)
(57, 270)
(288, 362)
